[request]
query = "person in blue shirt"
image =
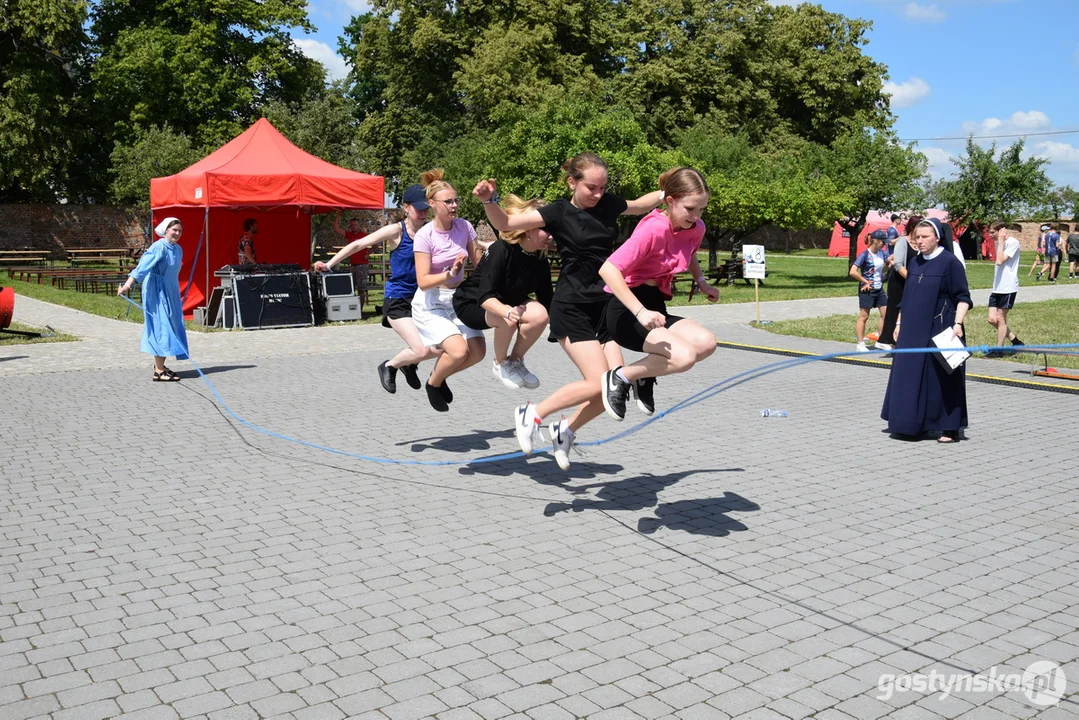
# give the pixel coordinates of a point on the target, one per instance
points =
(1052, 253)
(163, 332)
(868, 269)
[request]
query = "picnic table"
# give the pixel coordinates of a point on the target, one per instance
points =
(120, 254)
(24, 257)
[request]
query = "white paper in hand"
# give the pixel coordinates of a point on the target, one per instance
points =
(950, 356)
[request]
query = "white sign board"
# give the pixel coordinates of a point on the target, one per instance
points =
(753, 261)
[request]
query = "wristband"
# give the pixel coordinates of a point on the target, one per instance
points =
(699, 280)
(493, 201)
(508, 312)
(662, 195)
(638, 312)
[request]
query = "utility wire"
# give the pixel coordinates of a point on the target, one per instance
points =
(990, 137)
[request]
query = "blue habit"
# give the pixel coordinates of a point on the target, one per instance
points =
(921, 395)
(163, 332)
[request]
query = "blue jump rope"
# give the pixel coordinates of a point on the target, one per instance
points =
(698, 397)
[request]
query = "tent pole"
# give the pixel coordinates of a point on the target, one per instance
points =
(206, 229)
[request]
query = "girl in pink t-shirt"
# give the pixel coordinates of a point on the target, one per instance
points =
(639, 276)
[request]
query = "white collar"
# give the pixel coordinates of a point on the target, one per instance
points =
(933, 254)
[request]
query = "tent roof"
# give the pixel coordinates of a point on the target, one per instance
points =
(261, 167)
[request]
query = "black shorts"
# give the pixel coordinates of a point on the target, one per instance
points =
(870, 299)
(623, 326)
(1004, 301)
(1073, 257)
(471, 314)
(395, 309)
(579, 322)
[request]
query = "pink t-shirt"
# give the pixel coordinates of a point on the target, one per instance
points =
(655, 252)
(444, 247)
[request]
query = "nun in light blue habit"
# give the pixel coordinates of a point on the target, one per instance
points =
(163, 332)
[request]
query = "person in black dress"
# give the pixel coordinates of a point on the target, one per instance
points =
(897, 280)
(922, 395)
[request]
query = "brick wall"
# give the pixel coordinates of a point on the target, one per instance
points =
(61, 227)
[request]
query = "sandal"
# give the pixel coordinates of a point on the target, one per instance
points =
(166, 375)
(946, 438)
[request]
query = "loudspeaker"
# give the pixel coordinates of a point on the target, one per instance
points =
(228, 312)
(264, 301)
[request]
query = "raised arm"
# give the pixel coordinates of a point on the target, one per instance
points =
(388, 233)
(644, 204)
(337, 224)
(485, 191)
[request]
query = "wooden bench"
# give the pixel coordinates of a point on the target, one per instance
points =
(107, 254)
(24, 257)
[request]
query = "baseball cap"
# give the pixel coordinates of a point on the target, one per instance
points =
(1044, 228)
(879, 235)
(416, 196)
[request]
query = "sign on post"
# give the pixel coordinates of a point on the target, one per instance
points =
(753, 268)
(753, 259)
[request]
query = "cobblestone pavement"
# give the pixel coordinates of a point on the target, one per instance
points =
(159, 560)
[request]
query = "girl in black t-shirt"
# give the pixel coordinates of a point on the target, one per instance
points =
(497, 295)
(584, 227)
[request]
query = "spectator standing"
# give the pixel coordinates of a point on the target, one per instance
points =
(868, 270)
(1073, 254)
(1005, 284)
(1052, 253)
(361, 265)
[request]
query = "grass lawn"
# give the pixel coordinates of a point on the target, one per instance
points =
(1042, 323)
(7, 339)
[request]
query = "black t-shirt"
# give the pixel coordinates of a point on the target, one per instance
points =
(585, 240)
(508, 273)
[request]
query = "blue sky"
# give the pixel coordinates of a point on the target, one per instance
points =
(992, 67)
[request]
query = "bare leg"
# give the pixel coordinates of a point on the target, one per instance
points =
(859, 327)
(589, 358)
(416, 352)
(457, 354)
(531, 328)
(159, 364)
(504, 331)
(672, 350)
(880, 321)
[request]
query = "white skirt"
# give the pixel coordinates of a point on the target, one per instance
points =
(435, 318)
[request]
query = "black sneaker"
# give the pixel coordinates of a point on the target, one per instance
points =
(644, 392)
(447, 395)
(387, 375)
(412, 377)
(1017, 342)
(615, 393)
(434, 396)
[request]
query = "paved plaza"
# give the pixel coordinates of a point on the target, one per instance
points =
(158, 559)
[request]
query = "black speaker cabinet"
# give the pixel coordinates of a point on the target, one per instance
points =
(228, 312)
(266, 301)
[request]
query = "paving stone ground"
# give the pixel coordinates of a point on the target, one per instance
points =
(158, 559)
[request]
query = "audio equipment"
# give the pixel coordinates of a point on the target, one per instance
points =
(264, 301)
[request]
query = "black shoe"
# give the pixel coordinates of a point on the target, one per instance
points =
(387, 375)
(447, 394)
(412, 377)
(615, 393)
(434, 396)
(1017, 342)
(644, 391)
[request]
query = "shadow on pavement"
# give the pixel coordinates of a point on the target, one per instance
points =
(188, 374)
(14, 357)
(635, 493)
(707, 516)
(542, 469)
(475, 440)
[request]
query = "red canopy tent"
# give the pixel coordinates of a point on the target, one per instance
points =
(258, 174)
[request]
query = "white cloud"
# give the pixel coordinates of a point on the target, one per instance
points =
(924, 13)
(908, 93)
(940, 161)
(1018, 123)
(359, 6)
(334, 63)
(1058, 152)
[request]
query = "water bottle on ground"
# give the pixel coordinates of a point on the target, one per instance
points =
(773, 413)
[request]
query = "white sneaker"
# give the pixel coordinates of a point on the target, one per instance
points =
(562, 439)
(529, 380)
(506, 372)
(526, 425)
(860, 347)
(882, 346)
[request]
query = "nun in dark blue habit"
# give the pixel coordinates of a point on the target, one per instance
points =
(922, 396)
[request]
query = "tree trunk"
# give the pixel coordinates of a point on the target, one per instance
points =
(855, 229)
(713, 247)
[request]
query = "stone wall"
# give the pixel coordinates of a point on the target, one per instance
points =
(61, 227)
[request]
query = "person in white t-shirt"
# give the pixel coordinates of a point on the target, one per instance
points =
(1005, 284)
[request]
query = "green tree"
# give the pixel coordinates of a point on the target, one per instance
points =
(1058, 202)
(153, 152)
(199, 66)
(876, 172)
(324, 126)
(42, 56)
(987, 188)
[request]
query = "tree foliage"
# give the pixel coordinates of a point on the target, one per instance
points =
(988, 188)
(153, 152)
